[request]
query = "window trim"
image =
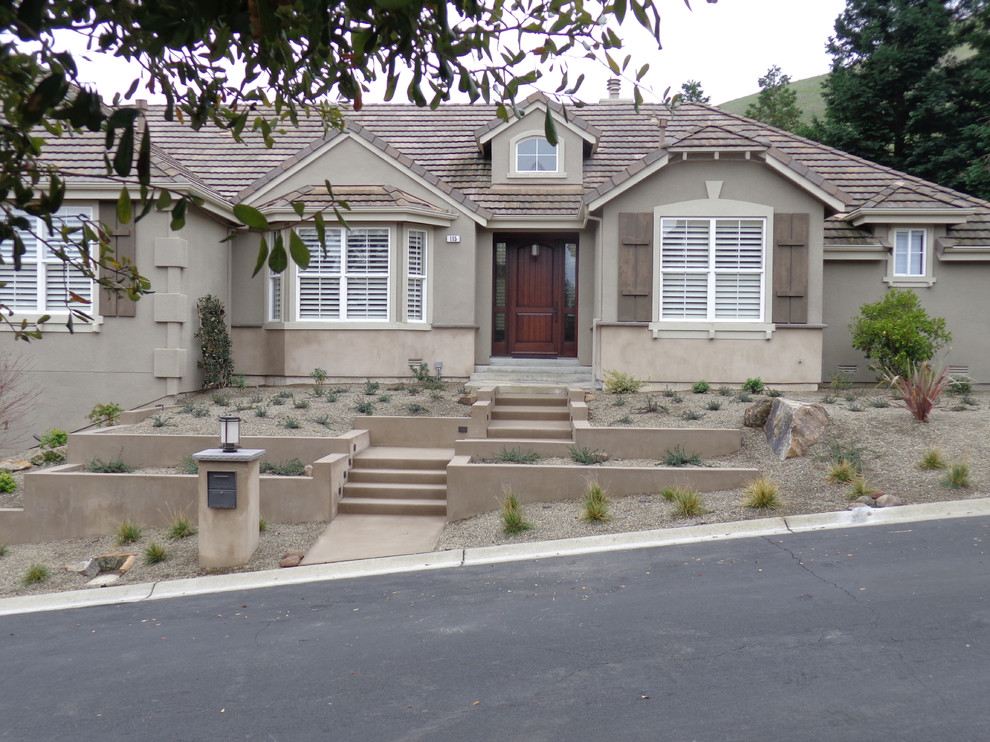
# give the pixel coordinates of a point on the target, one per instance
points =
(911, 280)
(41, 275)
(422, 277)
(515, 172)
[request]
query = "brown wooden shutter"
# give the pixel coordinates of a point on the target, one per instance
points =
(635, 267)
(790, 268)
(122, 242)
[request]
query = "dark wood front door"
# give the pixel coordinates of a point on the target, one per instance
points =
(535, 296)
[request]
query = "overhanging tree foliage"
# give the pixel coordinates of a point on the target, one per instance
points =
(692, 92)
(253, 65)
(910, 88)
(776, 104)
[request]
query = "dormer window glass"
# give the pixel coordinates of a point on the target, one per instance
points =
(536, 155)
(909, 252)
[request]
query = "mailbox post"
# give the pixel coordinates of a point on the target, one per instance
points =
(229, 507)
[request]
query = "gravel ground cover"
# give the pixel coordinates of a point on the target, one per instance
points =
(887, 440)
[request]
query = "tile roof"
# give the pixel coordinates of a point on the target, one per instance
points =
(440, 147)
(357, 198)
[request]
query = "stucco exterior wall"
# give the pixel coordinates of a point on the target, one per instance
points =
(570, 171)
(790, 358)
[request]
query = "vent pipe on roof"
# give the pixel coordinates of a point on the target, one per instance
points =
(661, 124)
(614, 84)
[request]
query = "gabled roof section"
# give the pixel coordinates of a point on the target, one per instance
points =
(902, 202)
(713, 138)
(358, 198)
(572, 121)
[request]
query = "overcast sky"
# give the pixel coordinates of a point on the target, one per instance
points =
(726, 46)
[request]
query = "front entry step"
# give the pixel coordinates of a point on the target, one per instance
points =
(530, 416)
(397, 481)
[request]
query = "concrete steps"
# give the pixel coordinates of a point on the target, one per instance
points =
(388, 480)
(533, 371)
(530, 416)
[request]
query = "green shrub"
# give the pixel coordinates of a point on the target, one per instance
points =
(651, 405)
(415, 409)
(189, 465)
(595, 504)
(181, 528)
(879, 402)
(725, 391)
(691, 415)
(128, 533)
(678, 457)
(743, 397)
(200, 411)
(35, 574)
(774, 393)
(617, 382)
(625, 420)
(301, 404)
(365, 407)
(958, 475)
(220, 399)
(214, 343)
(713, 405)
(238, 381)
(285, 394)
(687, 504)
(619, 401)
(841, 381)
(155, 553)
(513, 520)
(332, 395)
(853, 407)
(586, 456)
(319, 376)
(920, 389)
(701, 387)
(436, 395)
(515, 456)
(421, 372)
(931, 460)
(53, 438)
(897, 332)
(277, 401)
(753, 386)
(105, 414)
(850, 452)
(3, 549)
(762, 495)
(262, 525)
(828, 399)
(7, 482)
(52, 456)
(290, 468)
(261, 411)
(323, 420)
(100, 466)
(960, 386)
(291, 423)
(384, 398)
(159, 421)
(371, 387)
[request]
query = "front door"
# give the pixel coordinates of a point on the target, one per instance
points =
(535, 296)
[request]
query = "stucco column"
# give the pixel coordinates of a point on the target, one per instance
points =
(229, 506)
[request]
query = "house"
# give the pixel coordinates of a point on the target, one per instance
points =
(676, 246)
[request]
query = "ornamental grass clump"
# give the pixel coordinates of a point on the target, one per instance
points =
(35, 574)
(595, 504)
(181, 528)
(679, 457)
(687, 504)
(512, 515)
(127, 533)
(155, 553)
(587, 456)
(932, 460)
(860, 488)
(958, 476)
(842, 471)
(762, 495)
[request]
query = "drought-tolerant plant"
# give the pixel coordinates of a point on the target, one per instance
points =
(318, 391)
(701, 387)
(513, 520)
(332, 395)
(855, 407)
(897, 333)
(724, 391)
(243, 407)
(127, 533)
(595, 504)
(618, 382)
(187, 407)
(365, 407)
(35, 574)
(384, 398)
(285, 394)
(515, 456)
(155, 553)
(291, 423)
(105, 414)
(679, 457)
(115, 466)
(970, 400)
(841, 381)
(301, 404)
(238, 381)
(931, 460)
(371, 387)
(743, 397)
(587, 456)
(650, 405)
(319, 377)
(960, 386)
(436, 395)
(687, 504)
(713, 405)
(415, 409)
(691, 415)
(957, 476)
(421, 372)
(619, 401)
(262, 525)
(754, 386)
(160, 421)
(7, 482)
(850, 396)
(842, 472)
(879, 403)
(762, 494)
(850, 452)
(200, 411)
(774, 393)
(261, 411)
(277, 401)
(859, 488)
(214, 343)
(53, 438)
(670, 494)
(323, 420)
(919, 390)
(625, 420)
(181, 528)
(829, 399)
(290, 468)
(3, 549)
(189, 465)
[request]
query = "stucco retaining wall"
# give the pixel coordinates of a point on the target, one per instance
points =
(426, 432)
(476, 488)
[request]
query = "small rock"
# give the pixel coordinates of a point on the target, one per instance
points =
(87, 568)
(115, 560)
(308, 469)
(888, 501)
(104, 580)
(589, 397)
(291, 559)
(757, 413)
(865, 500)
(467, 399)
(10, 465)
(857, 505)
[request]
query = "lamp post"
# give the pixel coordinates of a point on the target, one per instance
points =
(230, 433)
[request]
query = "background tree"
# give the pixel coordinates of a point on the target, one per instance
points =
(776, 104)
(691, 92)
(252, 66)
(910, 88)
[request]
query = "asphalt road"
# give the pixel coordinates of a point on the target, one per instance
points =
(856, 634)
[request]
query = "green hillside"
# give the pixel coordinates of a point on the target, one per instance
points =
(809, 99)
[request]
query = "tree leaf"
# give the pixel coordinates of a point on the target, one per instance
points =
(124, 206)
(278, 261)
(250, 216)
(125, 152)
(298, 250)
(262, 256)
(550, 128)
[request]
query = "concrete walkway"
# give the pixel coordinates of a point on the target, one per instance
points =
(350, 537)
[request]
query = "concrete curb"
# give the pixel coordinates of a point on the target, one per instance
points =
(493, 555)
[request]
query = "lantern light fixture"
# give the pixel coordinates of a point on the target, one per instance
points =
(230, 433)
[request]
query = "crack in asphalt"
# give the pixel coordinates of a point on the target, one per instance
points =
(808, 569)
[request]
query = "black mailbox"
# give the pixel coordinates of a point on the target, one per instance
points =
(221, 489)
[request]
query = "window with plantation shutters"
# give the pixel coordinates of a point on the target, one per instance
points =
(712, 269)
(274, 296)
(416, 276)
(347, 281)
(45, 284)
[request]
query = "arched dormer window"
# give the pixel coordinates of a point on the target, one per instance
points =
(536, 155)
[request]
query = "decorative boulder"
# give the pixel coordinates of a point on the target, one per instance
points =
(467, 399)
(888, 501)
(757, 413)
(792, 427)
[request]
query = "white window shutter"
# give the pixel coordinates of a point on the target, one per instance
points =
(416, 277)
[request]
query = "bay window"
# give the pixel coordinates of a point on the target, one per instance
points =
(347, 281)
